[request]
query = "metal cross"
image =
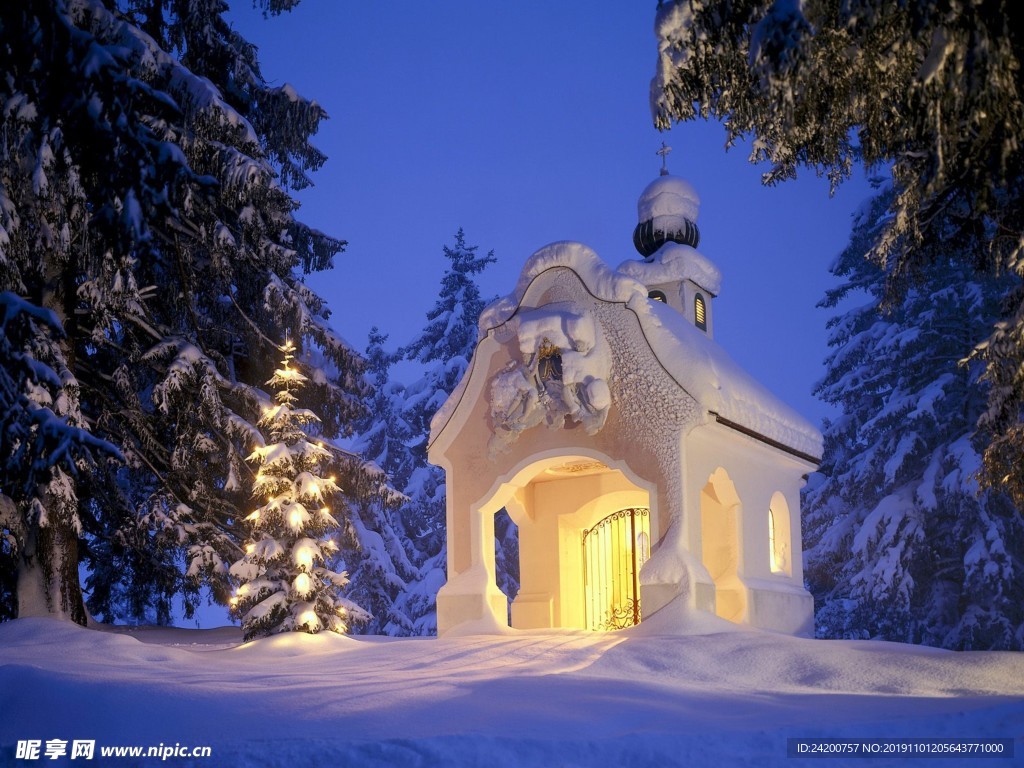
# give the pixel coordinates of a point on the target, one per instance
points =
(665, 149)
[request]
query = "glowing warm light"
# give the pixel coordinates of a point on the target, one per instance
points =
(233, 601)
(310, 618)
(302, 584)
(295, 519)
(254, 516)
(773, 558)
(611, 563)
(304, 559)
(250, 548)
(325, 510)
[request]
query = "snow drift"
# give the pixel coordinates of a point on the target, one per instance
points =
(719, 695)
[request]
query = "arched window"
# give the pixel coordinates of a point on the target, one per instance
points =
(700, 312)
(779, 535)
(658, 296)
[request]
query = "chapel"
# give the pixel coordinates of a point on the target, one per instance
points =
(641, 464)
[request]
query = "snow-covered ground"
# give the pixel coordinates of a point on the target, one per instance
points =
(717, 696)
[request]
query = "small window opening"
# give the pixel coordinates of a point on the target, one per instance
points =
(700, 312)
(658, 296)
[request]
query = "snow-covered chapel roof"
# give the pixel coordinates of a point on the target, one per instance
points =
(697, 363)
(668, 196)
(674, 262)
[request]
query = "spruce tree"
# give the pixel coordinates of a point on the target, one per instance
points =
(445, 347)
(381, 560)
(929, 89)
(285, 583)
(43, 449)
(901, 542)
(384, 434)
(146, 177)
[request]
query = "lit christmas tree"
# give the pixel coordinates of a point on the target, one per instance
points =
(284, 582)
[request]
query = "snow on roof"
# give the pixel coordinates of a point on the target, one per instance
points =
(668, 196)
(698, 364)
(674, 262)
(602, 281)
(706, 371)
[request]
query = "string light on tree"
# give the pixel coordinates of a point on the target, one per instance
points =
(284, 582)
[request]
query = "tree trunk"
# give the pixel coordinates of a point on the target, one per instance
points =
(48, 583)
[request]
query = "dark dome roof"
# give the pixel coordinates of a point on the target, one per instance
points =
(667, 212)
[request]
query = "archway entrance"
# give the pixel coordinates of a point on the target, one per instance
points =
(553, 501)
(614, 551)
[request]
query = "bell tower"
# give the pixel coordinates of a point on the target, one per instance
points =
(666, 236)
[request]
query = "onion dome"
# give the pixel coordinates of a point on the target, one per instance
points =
(667, 212)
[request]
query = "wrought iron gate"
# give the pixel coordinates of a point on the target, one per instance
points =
(614, 550)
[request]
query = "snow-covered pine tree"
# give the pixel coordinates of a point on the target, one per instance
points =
(384, 434)
(901, 543)
(43, 446)
(444, 347)
(447, 342)
(285, 583)
(240, 265)
(381, 563)
(930, 89)
(142, 147)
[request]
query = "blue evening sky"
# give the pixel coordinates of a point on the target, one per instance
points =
(526, 123)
